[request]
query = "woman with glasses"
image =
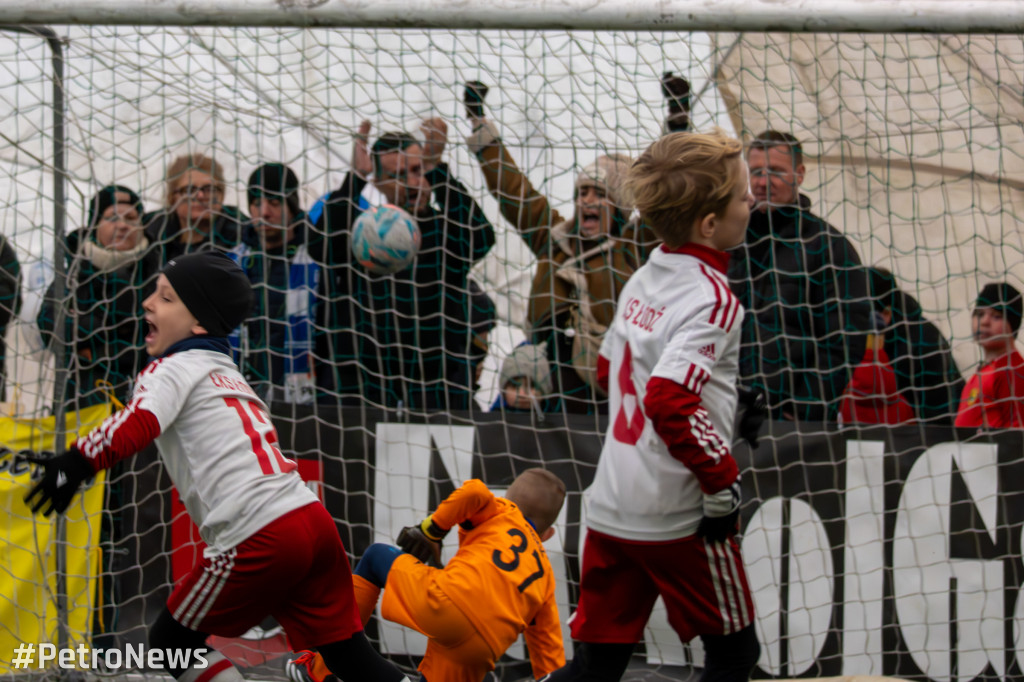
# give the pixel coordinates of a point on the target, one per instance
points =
(111, 268)
(194, 217)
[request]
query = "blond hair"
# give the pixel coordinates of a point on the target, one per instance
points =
(682, 178)
(539, 494)
(187, 162)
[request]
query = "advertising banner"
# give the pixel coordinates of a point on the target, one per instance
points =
(28, 543)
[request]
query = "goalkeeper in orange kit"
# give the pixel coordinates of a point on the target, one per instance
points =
(499, 583)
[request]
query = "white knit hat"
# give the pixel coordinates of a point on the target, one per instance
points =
(609, 173)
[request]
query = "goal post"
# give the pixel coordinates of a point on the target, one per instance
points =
(862, 540)
(928, 16)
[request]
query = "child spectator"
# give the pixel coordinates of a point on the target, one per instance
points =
(994, 396)
(272, 548)
(525, 379)
(663, 511)
(926, 373)
(499, 584)
(873, 396)
(111, 270)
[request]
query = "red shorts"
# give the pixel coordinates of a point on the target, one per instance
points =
(703, 585)
(293, 569)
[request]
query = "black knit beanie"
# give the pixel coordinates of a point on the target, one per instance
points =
(1004, 297)
(213, 288)
(276, 181)
(106, 198)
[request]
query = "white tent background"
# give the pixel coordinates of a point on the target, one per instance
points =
(913, 142)
(914, 146)
(138, 97)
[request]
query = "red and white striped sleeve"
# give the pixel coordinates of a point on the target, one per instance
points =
(682, 422)
(121, 435)
(161, 389)
(674, 398)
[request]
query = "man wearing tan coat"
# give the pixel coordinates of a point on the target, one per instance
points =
(582, 262)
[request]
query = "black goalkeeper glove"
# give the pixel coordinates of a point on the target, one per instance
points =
(473, 98)
(423, 542)
(676, 90)
(755, 411)
(721, 514)
(62, 476)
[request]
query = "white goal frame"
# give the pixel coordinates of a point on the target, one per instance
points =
(867, 16)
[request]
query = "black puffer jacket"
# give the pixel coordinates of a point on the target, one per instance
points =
(105, 330)
(805, 293)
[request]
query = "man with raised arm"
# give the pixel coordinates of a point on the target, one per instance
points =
(401, 339)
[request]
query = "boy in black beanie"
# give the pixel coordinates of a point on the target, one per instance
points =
(272, 548)
(994, 396)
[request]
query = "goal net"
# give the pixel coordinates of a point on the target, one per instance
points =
(872, 549)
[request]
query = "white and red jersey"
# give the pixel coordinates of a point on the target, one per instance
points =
(671, 357)
(216, 440)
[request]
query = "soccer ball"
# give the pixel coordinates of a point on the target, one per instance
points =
(385, 239)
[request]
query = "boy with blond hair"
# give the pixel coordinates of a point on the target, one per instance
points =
(663, 509)
(499, 584)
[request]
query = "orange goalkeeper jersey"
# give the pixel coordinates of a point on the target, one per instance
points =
(501, 578)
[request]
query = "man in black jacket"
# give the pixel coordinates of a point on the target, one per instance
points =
(401, 339)
(803, 287)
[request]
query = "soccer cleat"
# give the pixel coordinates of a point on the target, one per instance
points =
(301, 669)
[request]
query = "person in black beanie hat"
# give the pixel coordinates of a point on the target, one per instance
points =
(926, 372)
(1003, 298)
(273, 193)
(111, 268)
(213, 288)
(994, 395)
(203, 294)
(107, 197)
(276, 254)
(271, 547)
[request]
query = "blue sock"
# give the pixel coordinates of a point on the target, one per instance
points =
(376, 563)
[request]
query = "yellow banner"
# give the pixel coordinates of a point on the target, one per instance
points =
(28, 602)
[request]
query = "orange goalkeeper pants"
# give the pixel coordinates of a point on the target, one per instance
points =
(412, 597)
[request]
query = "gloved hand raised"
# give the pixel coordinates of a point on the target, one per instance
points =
(721, 514)
(423, 542)
(62, 476)
(676, 90)
(473, 98)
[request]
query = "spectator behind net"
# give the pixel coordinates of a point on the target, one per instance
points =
(582, 261)
(803, 287)
(111, 270)
(921, 358)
